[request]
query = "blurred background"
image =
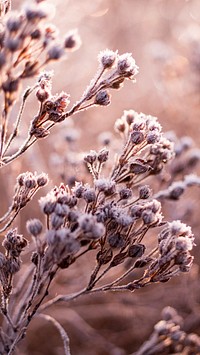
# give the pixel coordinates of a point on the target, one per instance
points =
(164, 38)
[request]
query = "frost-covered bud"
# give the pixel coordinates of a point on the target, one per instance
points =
(56, 221)
(105, 185)
(169, 313)
(184, 244)
(123, 219)
(116, 240)
(136, 250)
(148, 217)
(126, 65)
(50, 236)
(155, 206)
(176, 190)
(78, 189)
(89, 195)
(34, 227)
(30, 182)
(61, 210)
(153, 137)
(36, 34)
(125, 193)
(91, 228)
(91, 157)
(144, 192)
(34, 15)
(42, 179)
(102, 155)
(136, 211)
(138, 168)
(162, 327)
(42, 94)
(72, 40)
(47, 203)
(13, 44)
(102, 98)
(55, 52)
(73, 216)
(120, 125)
(130, 116)
(107, 58)
(13, 23)
(137, 137)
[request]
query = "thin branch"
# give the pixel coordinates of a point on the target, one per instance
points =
(61, 330)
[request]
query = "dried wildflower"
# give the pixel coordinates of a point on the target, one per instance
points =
(107, 58)
(126, 65)
(72, 40)
(34, 227)
(102, 98)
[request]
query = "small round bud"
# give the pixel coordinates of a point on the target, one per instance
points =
(102, 98)
(107, 58)
(42, 95)
(72, 41)
(42, 179)
(137, 137)
(34, 227)
(153, 137)
(102, 155)
(89, 195)
(125, 193)
(148, 217)
(136, 211)
(91, 157)
(136, 251)
(36, 34)
(56, 221)
(176, 190)
(120, 126)
(30, 183)
(126, 65)
(116, 240)
(13, 44)
(55, 52)
(78, 190)
(144, 192)
(13, 23)
(138, 168)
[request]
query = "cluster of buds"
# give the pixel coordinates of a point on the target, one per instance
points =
(26, 187)
(10, 263)
(175, 243)
(145, 151)
(27, 45)
(169, 338)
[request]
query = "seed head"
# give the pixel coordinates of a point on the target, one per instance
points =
(126, 65)
(107, 58)
(102, 98)
(72, 41)
(34, 227)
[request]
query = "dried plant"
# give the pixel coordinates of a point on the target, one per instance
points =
(169, 337)
(107, 216)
